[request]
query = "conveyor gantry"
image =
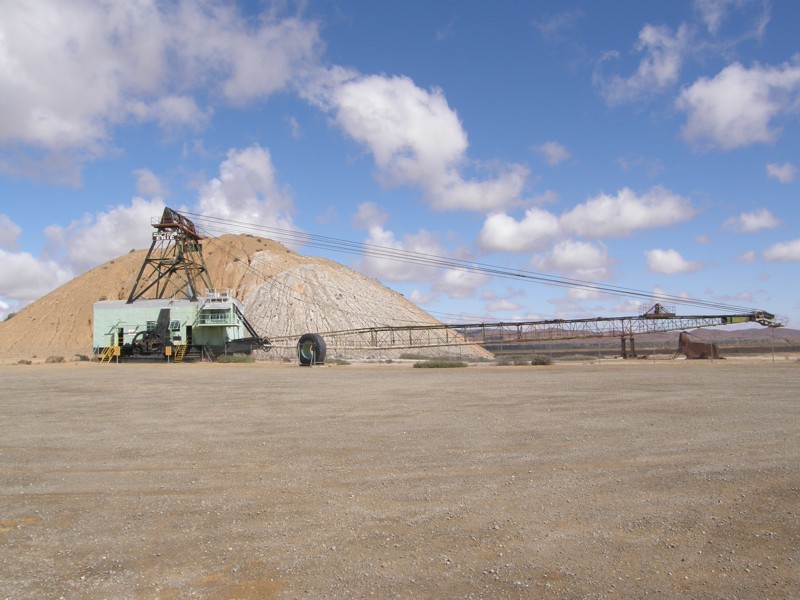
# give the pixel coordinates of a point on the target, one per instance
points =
(656, 320)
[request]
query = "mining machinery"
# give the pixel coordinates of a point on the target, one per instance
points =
(173, 312)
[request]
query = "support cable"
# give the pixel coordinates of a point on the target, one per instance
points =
(219, 226)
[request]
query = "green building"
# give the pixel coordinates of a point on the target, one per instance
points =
(210, 325)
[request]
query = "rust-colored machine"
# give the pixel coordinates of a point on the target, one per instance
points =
(695, 350)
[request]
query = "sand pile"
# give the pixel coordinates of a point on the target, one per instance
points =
(283, 292)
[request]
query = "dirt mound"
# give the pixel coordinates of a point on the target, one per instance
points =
(284, 294)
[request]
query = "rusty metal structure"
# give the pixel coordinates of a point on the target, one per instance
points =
(174, 264)
(173, 312)
(174, 269)
(656, 320)
(696, 350)
(651, 318)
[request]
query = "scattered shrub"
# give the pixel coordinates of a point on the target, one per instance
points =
(337, 361)
(54, 359)
(439, 364)
(512, 360)
(577, 357)
(519, 360)
(22, 361)
(235, 358)
(414, 356)
(9, 315)
(481, 359)
(540, 360)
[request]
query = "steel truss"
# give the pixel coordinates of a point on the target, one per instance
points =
(174, 265)
(429, 336)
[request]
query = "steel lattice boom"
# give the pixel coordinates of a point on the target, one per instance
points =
(426, 336)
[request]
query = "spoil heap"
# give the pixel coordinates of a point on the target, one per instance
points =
(284, 294)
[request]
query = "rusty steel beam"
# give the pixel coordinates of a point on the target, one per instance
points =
(429, 336)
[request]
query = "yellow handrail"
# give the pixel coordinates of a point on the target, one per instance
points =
(108, 354)
(180, 352)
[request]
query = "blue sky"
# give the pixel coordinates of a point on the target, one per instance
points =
(651, 146)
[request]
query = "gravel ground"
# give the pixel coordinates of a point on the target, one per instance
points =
(673, 479)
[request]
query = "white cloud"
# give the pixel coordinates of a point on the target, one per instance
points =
(702, 239)
(741, 298)
(658, 69)
(583, 260)
(661, 296)
(369, 215)
(651, 166)
(632, 306)
(715, 13)
(784, 173)
(558, 27)
(389, 259)
(783, 252)
(501, 232)
(294, 127)
(546, 197)
(247, 191)
(584, 293)
(73, 71)
(738, 106)
(747, 257)
(256, 61)
(752, 221)
(502, 305)
(407, 129)
(171, 112)
(453, 192)
(669, 262)
(94, 239)
(621, 215)
(415, 139)
(9, 232)
(51, 166)
(420, 298)
(602, 216)
(24, 278)
(385, 261)
(459, 284)
(148, 184)
(327, 217)
(553, 152)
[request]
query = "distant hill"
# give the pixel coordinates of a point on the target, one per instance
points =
(731, 341)
(754, 335)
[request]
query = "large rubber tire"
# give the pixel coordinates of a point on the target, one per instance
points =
(311, 349)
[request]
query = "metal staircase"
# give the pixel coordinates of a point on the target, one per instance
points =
(108, 354)
(180, 352)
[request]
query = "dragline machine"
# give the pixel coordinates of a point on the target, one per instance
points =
(172, 310)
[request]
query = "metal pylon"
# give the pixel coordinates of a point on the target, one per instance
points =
(174, 265)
